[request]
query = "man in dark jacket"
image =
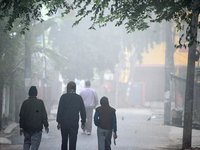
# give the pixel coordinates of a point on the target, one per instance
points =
(70, 105)
(105, 120)
(32, 118)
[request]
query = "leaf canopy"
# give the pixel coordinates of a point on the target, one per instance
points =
(134, 14)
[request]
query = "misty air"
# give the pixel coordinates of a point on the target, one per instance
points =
(99, 75)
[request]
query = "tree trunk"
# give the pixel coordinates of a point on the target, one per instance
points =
(188, 110)
(27, 71)
(11, 101)
(1, 101)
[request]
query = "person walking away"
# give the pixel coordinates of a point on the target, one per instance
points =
(33, 117)
(106, 122)
(90, 101)
(69, 108)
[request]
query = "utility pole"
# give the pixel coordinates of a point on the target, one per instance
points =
(192, 57)
(169, 68)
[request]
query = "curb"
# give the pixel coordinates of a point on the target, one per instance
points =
(9, 129)
(4, 141)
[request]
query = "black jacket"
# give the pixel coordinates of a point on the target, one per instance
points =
(70, 106)
(33, 115)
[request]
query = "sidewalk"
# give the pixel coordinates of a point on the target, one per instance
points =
(5, 134)
(176, 136)
(8, 132)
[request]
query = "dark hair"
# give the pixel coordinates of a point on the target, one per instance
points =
(104, 101)
(87, 84)
(71, 87)
(32, 91)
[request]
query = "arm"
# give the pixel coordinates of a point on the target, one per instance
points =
(44, 117)
(115, 124)
(59, 111)
(96, 98)
(22, 118)
(83, 114)
(96, 118)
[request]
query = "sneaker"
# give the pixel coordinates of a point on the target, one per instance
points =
(88, 133)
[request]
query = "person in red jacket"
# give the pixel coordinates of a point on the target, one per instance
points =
(106, 122)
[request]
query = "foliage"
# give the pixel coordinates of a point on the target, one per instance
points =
(99, 49)
(39, 51)
(27, 11)
(85, 49)
(135, 14)
(10, 52)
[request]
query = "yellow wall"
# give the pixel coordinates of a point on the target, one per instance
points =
(180, 58)
(154, 57)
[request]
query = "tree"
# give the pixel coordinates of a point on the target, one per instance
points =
(26, 11)
(133, 14)
(10, 57)
(192, 57)
(11, 61)
(85, 49)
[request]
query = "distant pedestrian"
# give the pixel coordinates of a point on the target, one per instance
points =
(91, 101)
(106, 122)
(70, 105)
(33, 117)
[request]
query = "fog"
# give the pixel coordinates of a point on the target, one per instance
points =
(108, 56)
(128, 68)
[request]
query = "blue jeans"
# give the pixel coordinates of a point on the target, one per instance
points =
(104, 139)
(32, 140)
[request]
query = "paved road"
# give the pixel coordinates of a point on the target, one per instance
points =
(134, 133)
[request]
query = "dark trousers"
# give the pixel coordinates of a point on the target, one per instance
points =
(70, 133)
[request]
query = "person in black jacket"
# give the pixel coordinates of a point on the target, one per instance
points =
(33, 117)
(70, 105)
(105, 120)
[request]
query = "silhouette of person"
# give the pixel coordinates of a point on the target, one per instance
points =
(105, 120)
(90, 101)
(33, 117)
(70, 105)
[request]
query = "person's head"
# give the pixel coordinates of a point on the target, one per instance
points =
(71, 87)
(104, 101)
(87, 84)
(32, 91)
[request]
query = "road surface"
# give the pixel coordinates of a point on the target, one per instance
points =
(138, 129)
